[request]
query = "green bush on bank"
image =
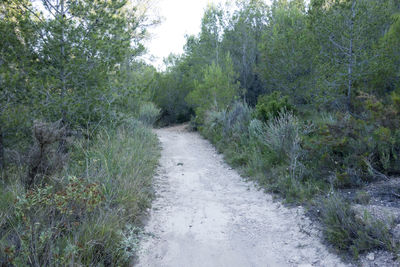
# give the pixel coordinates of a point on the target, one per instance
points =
(339, 150)
(269, 106)
(301, 159)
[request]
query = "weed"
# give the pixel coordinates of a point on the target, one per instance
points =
(347, 231)
(148, 113)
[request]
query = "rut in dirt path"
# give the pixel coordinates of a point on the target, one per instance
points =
(206, 215)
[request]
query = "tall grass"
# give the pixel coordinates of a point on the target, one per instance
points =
(123, 161)
(148, 113)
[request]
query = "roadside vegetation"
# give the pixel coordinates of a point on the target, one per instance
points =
(304, 99)
(77, 154)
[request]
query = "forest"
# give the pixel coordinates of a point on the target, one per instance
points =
(302, 97)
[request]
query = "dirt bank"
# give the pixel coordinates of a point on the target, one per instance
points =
(206, 215)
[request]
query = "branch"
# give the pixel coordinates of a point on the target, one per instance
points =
(49, 4)
(30, 10)
(345, 50)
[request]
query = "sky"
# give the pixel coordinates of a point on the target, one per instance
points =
(179, 17)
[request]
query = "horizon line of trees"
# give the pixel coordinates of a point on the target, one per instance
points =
(321, 54)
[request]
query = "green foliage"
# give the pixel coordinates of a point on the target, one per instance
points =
(242, 40)
(348, 231)
(76, 65)
(386, 67)
(173, 87)
(288, 51)
(216, 91)
(148, 113)
(363, 197)
(355, 150)
(87, 221)
(45, 215)
(123, 161)
(269, 106)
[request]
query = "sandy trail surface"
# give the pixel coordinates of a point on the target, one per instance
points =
(205, 214)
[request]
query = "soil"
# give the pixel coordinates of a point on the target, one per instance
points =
(205, 214)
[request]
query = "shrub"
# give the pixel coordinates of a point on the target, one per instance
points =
(213, 124)
(89, 221)
(347, 231)
(45, 157)
(237, 121)
(352, 150)
(270, 106)
(123, 161)
(45, 218)
(228, 130)
(282, 136)
(362, 197)
(148, 113)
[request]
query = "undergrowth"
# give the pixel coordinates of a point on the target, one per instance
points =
(86, 214)
(348, 231)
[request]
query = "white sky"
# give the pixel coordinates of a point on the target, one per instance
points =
(179, 17)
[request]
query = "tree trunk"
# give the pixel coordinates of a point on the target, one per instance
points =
(351, 56)
(1, 149)
(62, 146)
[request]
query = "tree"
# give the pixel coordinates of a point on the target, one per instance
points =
(216, 91)
(62, 60)
(347, 32)
(242, 38)
(210, 37)
(17, 67)
(288, 51)
(385, 70)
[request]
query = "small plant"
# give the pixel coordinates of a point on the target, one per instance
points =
(363, 197)
(44, 216)
(237, 120)
(148, 113)
(270, 106)
(347, 231)
(282, 136)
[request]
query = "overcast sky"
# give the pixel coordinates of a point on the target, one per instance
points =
(179, 17)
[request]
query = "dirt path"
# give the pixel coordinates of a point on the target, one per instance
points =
(206, 215)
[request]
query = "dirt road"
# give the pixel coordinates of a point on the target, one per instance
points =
(205, 214)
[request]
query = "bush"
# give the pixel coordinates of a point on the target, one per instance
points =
(270, 106)
(43, 219)
(228, 130)
(148, 113)
(282, 136)
(237, 121)
(216, 91)
(213, 126)
(351, 149)
(347, 231)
